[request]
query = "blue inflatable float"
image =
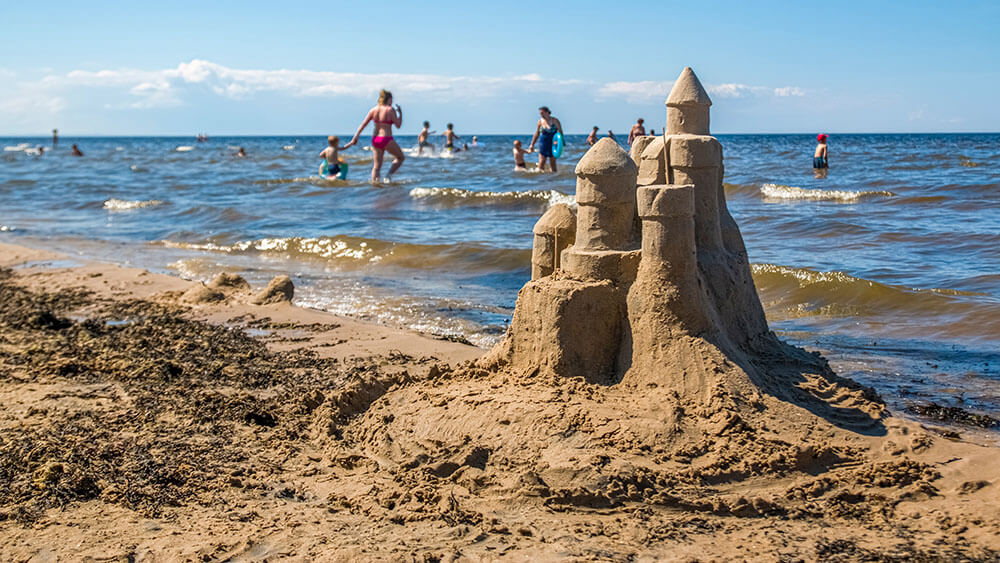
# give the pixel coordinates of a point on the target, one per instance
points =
(557, 147)
(324, 171)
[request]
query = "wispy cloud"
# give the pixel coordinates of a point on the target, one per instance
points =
(169, 87)
(30, 102)
(786, 91)
(647, 91)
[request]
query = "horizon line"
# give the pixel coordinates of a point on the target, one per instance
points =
(625, 133)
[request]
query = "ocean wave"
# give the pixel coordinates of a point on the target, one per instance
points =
(124, 205)
(7, 228)
(788, 292)
(348, 252)
(778, 191)
(458, 196)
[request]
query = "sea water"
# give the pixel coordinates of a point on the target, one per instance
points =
(890, 266)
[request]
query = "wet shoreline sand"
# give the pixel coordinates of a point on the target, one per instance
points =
(139, 426)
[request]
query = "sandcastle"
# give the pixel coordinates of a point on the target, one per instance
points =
(638, 365)
(655, 260)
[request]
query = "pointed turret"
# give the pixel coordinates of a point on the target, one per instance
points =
(688, 106)
(605, 158)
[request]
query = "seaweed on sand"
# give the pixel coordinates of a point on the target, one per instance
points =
(151, 410)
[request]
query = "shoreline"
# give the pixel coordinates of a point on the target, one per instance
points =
(245, 459)
(57, 271)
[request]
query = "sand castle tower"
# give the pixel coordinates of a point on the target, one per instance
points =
(657, 263)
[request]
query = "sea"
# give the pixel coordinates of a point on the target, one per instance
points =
(889, 266)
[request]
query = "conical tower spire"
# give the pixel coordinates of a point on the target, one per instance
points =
(688, 90)
(688, 106)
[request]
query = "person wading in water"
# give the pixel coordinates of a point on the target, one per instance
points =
(384, 117)
(545, 130)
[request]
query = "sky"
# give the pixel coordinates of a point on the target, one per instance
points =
(246, 68)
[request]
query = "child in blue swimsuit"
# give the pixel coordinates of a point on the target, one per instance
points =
(819, 157)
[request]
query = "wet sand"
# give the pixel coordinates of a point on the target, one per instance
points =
(140, 426)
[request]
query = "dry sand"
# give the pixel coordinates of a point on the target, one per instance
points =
(151, 418)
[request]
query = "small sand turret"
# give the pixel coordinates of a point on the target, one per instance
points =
(554, 232)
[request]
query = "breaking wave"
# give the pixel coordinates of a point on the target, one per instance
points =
(458, 196)
(348, 252)
(801, 292)
(778, 191)
(123, 204)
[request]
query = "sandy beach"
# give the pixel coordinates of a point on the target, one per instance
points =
(141, 426)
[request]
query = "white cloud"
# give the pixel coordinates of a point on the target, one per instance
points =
(33, 101)
(734, 90)
(647, 90)
(166, 87)
(636, 92)
(786, 91)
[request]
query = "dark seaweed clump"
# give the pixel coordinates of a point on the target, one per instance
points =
(953, 415)
(151, 410)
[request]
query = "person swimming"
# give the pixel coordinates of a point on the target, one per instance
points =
(449, 137)
(75, 151)
(422, 138)
(385, 117)
(545, 132)
(242, 153)
(331, 156)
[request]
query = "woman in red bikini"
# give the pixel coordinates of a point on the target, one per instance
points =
(384, 117)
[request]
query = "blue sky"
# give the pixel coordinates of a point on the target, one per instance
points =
(92, 68)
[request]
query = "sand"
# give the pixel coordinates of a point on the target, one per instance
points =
(149, 418)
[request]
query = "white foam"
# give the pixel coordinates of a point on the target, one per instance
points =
(777, 191)
(16, 148)
(184, 148)
(323, 247)
(288, 148)
(552, 197)
(124, 205)
(437, 152)
(7, 228)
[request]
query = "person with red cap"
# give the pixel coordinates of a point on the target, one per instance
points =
(820, 164)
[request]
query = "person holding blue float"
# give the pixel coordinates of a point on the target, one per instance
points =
(333, 166)
(549, 132)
